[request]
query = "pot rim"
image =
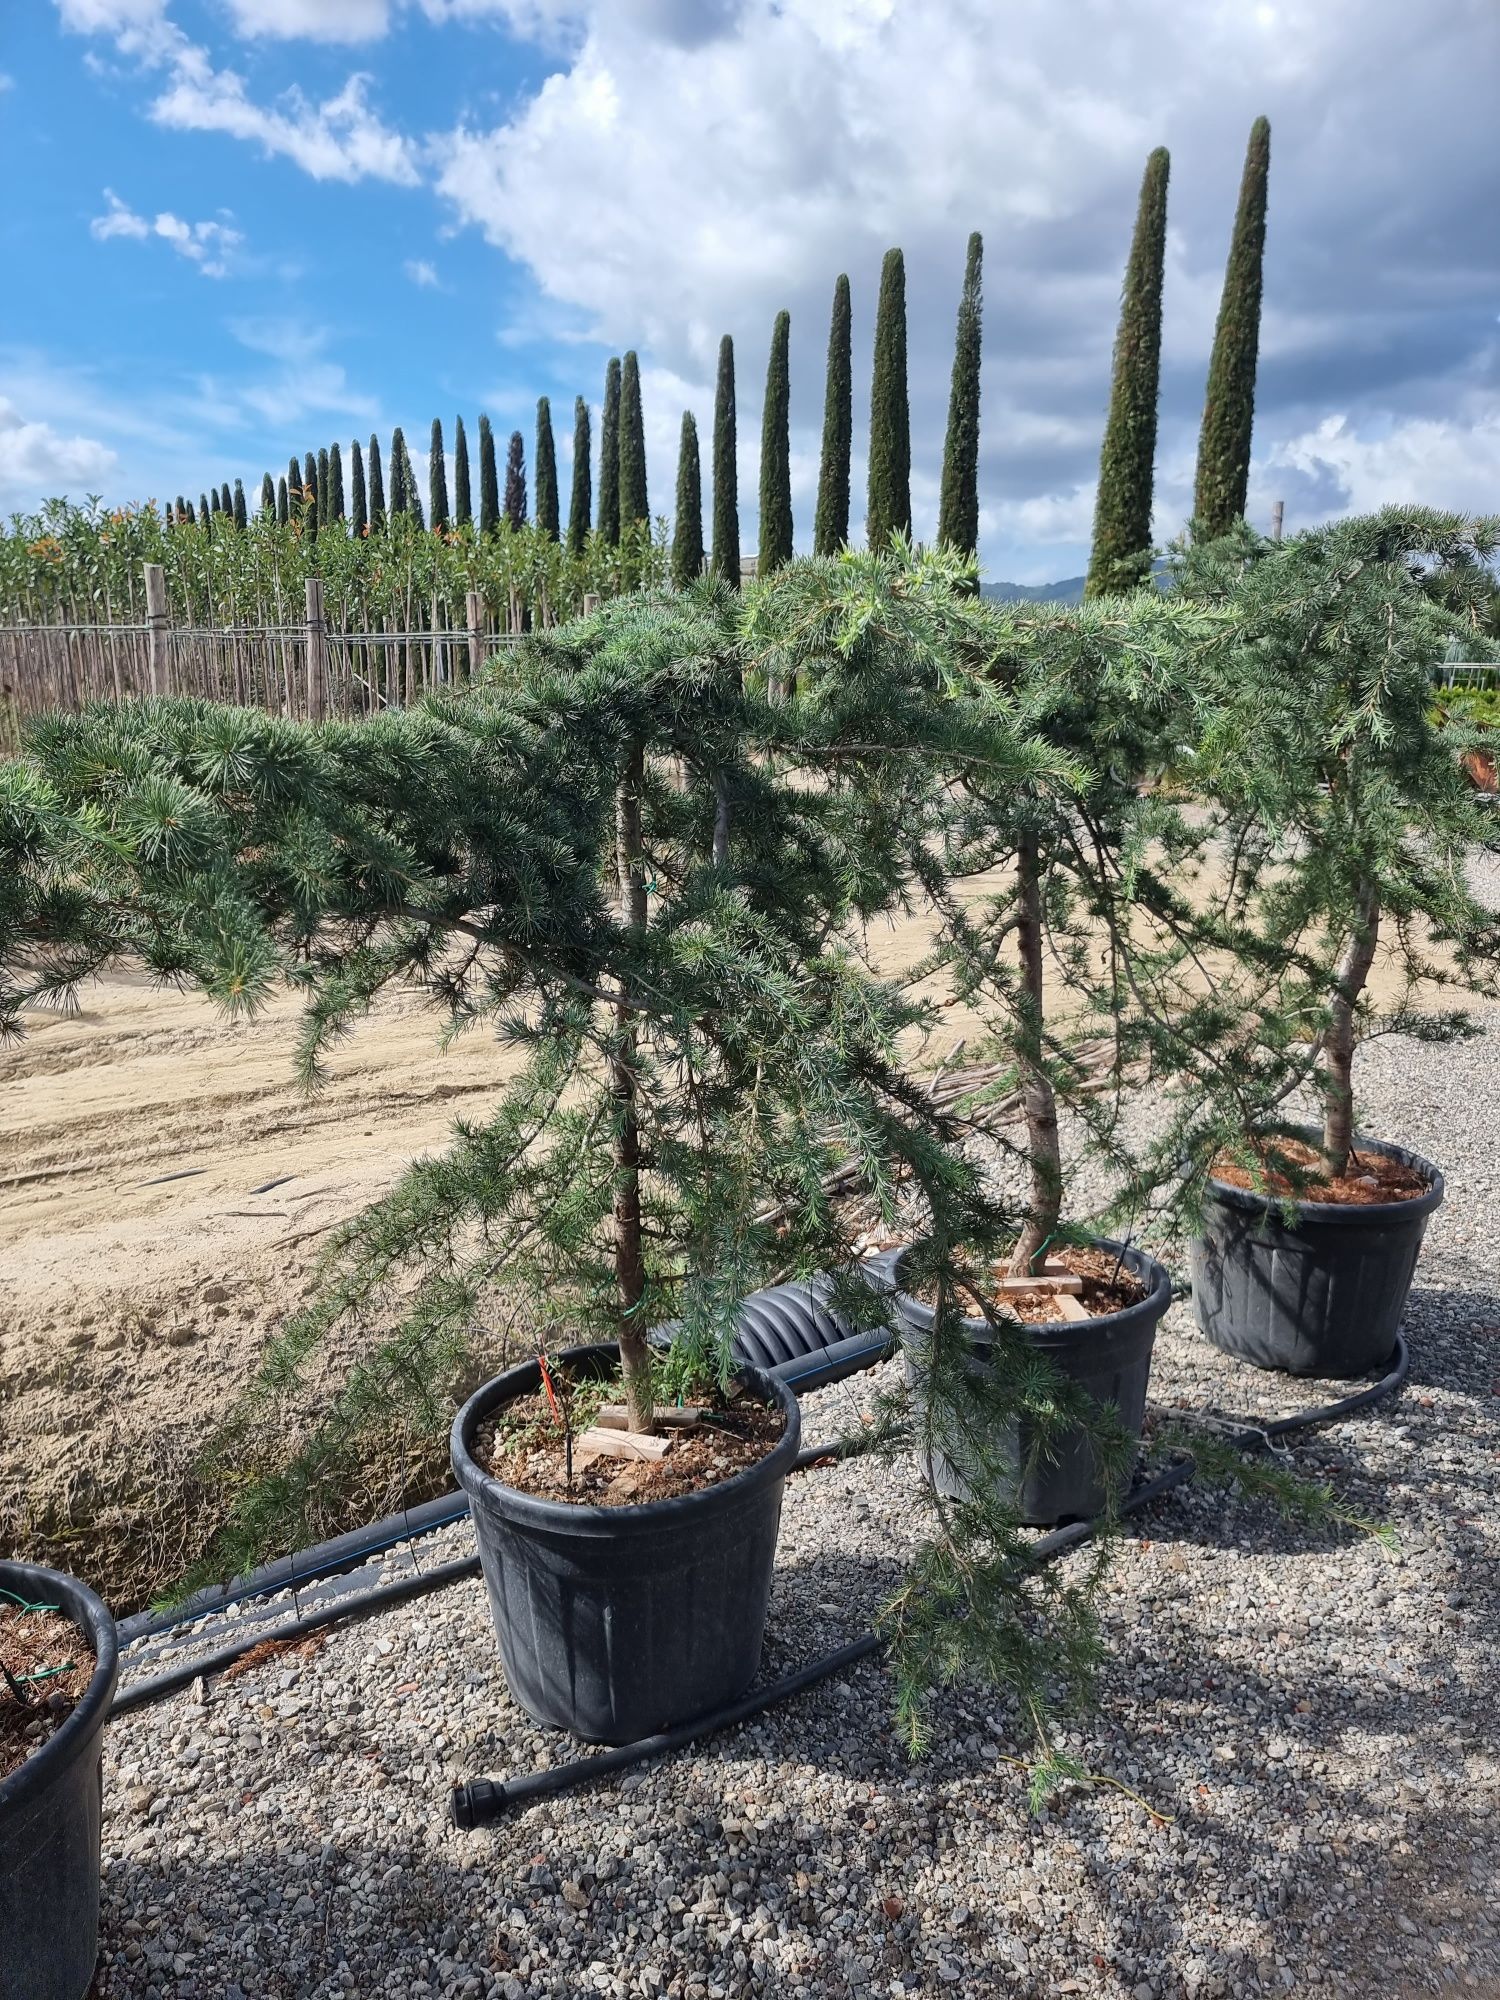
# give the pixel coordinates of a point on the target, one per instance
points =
(1353, 1215)
(95, 1621)
(642, 1516)
(1064, 1332)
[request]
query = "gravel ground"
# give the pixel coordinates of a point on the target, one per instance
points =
(1317, 1715)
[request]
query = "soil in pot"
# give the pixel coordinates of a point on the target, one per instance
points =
(46, 1665)
(1107, 1286)
(526, 1445)
(1306, 1275)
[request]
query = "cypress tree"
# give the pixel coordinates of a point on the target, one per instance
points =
(776, 454)
(831, 523)
(377, 487)
(581, 502)
(545, 477)
(240, 515)
(437, 479)
(400, 497)
(634, 506)
(687, 537)
(889, 506)
(335, 483)
(958, 504)
(489, 484)
(609, 457)
(463, 497)
(293, 483)
(359, 513)
(203, 509)
(310, 478)
(182, 511)
(413, 492)
(267, 495)
(283, 502)
(213, 500)
(726, 556)
(226, 499)
(515, 481)
(1229, 407)
(325, 507)
(1121, 555)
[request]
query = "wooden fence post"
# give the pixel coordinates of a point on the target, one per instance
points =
(317, 649)
(156, 629)
(1278, 515)
(475, 606)
(590, 602)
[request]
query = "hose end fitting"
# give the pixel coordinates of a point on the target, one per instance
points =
(478, 1803)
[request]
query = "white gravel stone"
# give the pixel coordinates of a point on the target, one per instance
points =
(1315, 1713)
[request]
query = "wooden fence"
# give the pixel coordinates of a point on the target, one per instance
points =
(305, 670)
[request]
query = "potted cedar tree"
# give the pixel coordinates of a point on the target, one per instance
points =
(1335, 782)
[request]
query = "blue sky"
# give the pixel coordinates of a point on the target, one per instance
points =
(242, 228)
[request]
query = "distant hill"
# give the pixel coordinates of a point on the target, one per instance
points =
(1069, 591)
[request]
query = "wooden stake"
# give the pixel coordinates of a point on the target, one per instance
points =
(614, 1418)
(156, 621)
(599, 1443)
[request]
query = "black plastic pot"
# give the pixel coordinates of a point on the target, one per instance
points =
(1309, 1287)
(50, 1814)
(615, 1622)
(1109, 1358)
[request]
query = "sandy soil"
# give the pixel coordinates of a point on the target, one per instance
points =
(165, 1189)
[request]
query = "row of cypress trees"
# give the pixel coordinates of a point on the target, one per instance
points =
(1120, 556)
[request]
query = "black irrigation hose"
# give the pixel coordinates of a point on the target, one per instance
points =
(484, 1801)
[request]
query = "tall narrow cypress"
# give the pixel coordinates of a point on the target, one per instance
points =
(359, 512)
(489, 484)
(463, 499)
(377, 487)
(283, 502)
(335, 483)
(544, 475)
(325, 510)
(958, 502)
(226, 499)
(293, 483)
(889, 501)
(581, 501)
(1229, 407)
(687, 534)
(726, 556)
(776, 454)
(413, 491)
(213, 499)
(267, 494)
(831, 522)
(515, 481)
(634, 506)
(203, 510)
(400, 498)
(310, 478)
(437, 478)
(240, 516)
(609, 456)
(1121, 555)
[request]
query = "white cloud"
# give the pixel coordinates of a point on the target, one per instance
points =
(421, 273)
(37, 462)
(1342, 465)
(312, 20)
(208, 244)
(341, 139)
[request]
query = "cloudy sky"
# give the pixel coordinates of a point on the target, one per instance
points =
(240, 228)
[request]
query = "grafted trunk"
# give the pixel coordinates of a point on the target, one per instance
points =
(630, 1266)
(1353, 972)
(1043, 1150)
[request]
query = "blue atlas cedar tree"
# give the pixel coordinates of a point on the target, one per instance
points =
(359, 511)
(609, 456)
(1223, 475)
(463, 497)
(889, 498)
(1121, 555)
(515, 481)
(687, 536)
(489, 482)
(831, 522)
(437, 478)
(335, 483)
(581, 501)
(726, 551)
(544, 474)
(377, 487)
(958, 503)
